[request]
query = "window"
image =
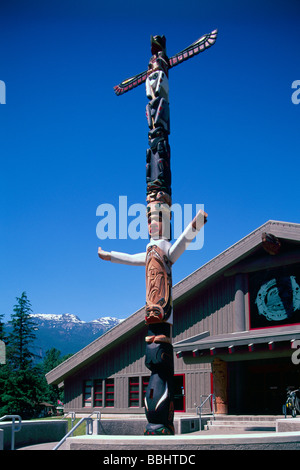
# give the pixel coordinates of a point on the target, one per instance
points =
(109, 392)
(145, 382)
(98, 396)
(134, 389)
(87, 393)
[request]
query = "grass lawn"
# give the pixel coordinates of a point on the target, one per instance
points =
(80, 431)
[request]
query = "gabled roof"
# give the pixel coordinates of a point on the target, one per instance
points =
(229, 261)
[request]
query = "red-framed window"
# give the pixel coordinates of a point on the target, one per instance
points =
(109, 392)
(87, 393)
(98, 393)
(145, 382)
(134, 391)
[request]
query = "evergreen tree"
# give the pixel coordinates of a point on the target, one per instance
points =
(21, 383)
(23, 386)
(22, 336)
(22, 393)
(52, 359)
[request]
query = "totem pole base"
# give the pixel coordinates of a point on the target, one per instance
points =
(159, 397)
(158, 430)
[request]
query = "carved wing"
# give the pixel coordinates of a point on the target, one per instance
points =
(198, 46)
(130, 83)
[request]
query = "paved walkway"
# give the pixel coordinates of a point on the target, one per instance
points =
(46, 446)
(211, 432)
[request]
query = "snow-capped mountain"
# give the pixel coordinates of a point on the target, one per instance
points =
(65, 317)
(67, 333)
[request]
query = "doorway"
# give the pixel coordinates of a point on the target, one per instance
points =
(179, 392)
(259, 387)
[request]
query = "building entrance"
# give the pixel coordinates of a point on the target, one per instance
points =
(259, 387)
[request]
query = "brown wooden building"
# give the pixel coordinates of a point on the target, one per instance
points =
(236, 333)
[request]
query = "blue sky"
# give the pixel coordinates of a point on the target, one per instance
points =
(68, 144)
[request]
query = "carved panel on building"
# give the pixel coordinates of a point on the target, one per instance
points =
(275, 297)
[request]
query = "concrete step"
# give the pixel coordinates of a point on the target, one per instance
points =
(241, 424)
(247, 417)
(242, 427)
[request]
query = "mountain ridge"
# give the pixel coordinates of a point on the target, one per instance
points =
(67, 332)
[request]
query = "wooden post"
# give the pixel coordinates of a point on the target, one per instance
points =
(220, 376)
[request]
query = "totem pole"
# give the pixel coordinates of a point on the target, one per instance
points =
(160, 254)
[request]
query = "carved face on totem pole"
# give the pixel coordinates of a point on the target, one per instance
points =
(158, 285)
(159, 220)
(157, 281)
(158, 266)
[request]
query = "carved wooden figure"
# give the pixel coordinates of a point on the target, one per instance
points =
(160, 253)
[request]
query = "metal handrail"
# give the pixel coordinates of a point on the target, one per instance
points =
(88, 429)
(13, 427)
(199, 408)
(73, 417)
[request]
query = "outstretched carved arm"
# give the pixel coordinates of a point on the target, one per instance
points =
(138, 259)
(198, 46)
(105, 255)
(130, 83)
(187, 236)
